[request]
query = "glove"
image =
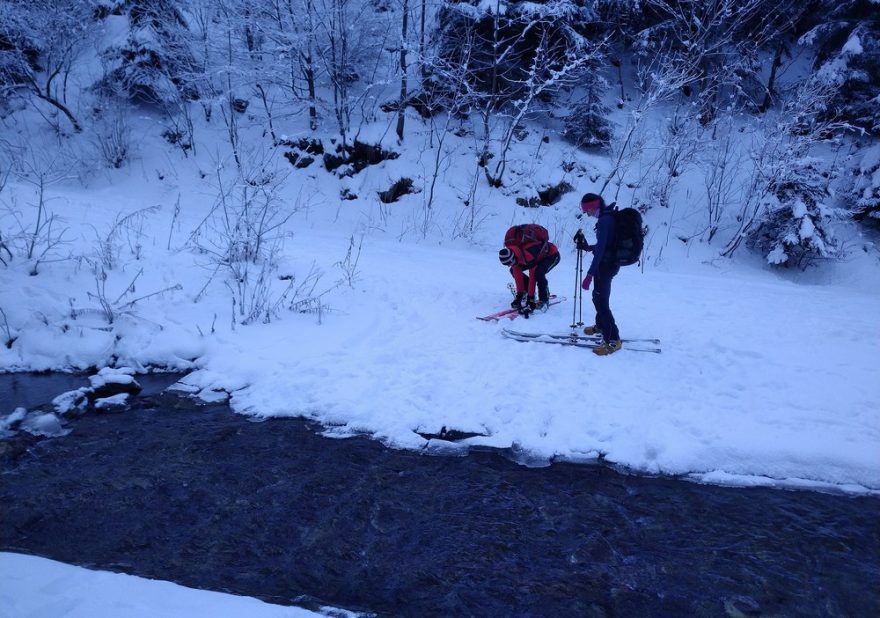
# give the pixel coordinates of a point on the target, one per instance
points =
(586, 282)
(529, 307)
(580, 241)
(517, 300)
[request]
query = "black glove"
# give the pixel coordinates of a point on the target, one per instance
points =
(527, 309)
(580, 241)
(517, 300)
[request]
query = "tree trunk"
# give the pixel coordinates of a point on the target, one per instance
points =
(310, 69)
(422, 71)
(62, 108)
(771, 81)
(401, 107)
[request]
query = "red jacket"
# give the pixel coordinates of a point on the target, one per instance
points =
(528, 243)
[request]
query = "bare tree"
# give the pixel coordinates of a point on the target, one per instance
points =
(661, 79)
(720, 41)
(202, 17)
(39, 231)
(722, 164)
(290, 26)
(335, 54)
(515, 59)
(232, 59)
(401, 105)
(537, 83)
(243, 234)
(42, 41)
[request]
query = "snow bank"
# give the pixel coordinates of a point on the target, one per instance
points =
(38, 587)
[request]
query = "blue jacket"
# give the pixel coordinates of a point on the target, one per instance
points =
(606, 227)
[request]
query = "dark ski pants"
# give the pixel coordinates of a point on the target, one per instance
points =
(601, 300)
(541, 270)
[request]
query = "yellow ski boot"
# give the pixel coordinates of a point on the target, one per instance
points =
(609, 347)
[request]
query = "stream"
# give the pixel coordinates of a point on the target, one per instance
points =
(170, 488)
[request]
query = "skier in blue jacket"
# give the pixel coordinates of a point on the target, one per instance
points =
(601, 272)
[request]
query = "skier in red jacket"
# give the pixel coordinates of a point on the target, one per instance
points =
(528, 247)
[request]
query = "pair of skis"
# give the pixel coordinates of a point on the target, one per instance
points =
(572, 339)
(583, 341)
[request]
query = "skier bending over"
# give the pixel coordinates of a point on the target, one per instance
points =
(601, 272)
(528, 247)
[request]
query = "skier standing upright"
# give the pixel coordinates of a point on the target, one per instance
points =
(602, 271)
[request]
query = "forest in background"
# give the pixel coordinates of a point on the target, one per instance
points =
(771, 108)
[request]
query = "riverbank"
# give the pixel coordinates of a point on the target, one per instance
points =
(172, 489)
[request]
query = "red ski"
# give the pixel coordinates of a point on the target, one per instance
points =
(512, 314)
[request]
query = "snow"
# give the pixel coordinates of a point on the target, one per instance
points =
(853, 45)
(41, 588)
(799, 209)
(833, 71)
(760, 376)
(112, 375)
(10, 420)
(75, 399)
(111, 402)
(766, 378)
(807, 229)
(870, 160)
(44, 424)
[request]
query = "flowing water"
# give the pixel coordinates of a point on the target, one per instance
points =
(193, 493)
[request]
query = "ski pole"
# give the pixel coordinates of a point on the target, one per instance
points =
(577, 288)
(581, 290)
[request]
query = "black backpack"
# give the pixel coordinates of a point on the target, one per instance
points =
(629, 237)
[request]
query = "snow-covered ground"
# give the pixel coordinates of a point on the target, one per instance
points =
(41, 588)
(762, 379)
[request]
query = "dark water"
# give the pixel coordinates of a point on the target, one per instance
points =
(31, 389)
(206, 498)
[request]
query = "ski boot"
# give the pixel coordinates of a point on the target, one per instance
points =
(608, 347)
(592, 330)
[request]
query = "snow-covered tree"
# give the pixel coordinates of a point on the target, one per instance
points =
(155, 64)
(500, 41)
(290, 63)
(40, 43)
(847, 39)
(723, 41)
(515, 56)
(786, 213)
(587, 125)
(797, 226)
(863, 192)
